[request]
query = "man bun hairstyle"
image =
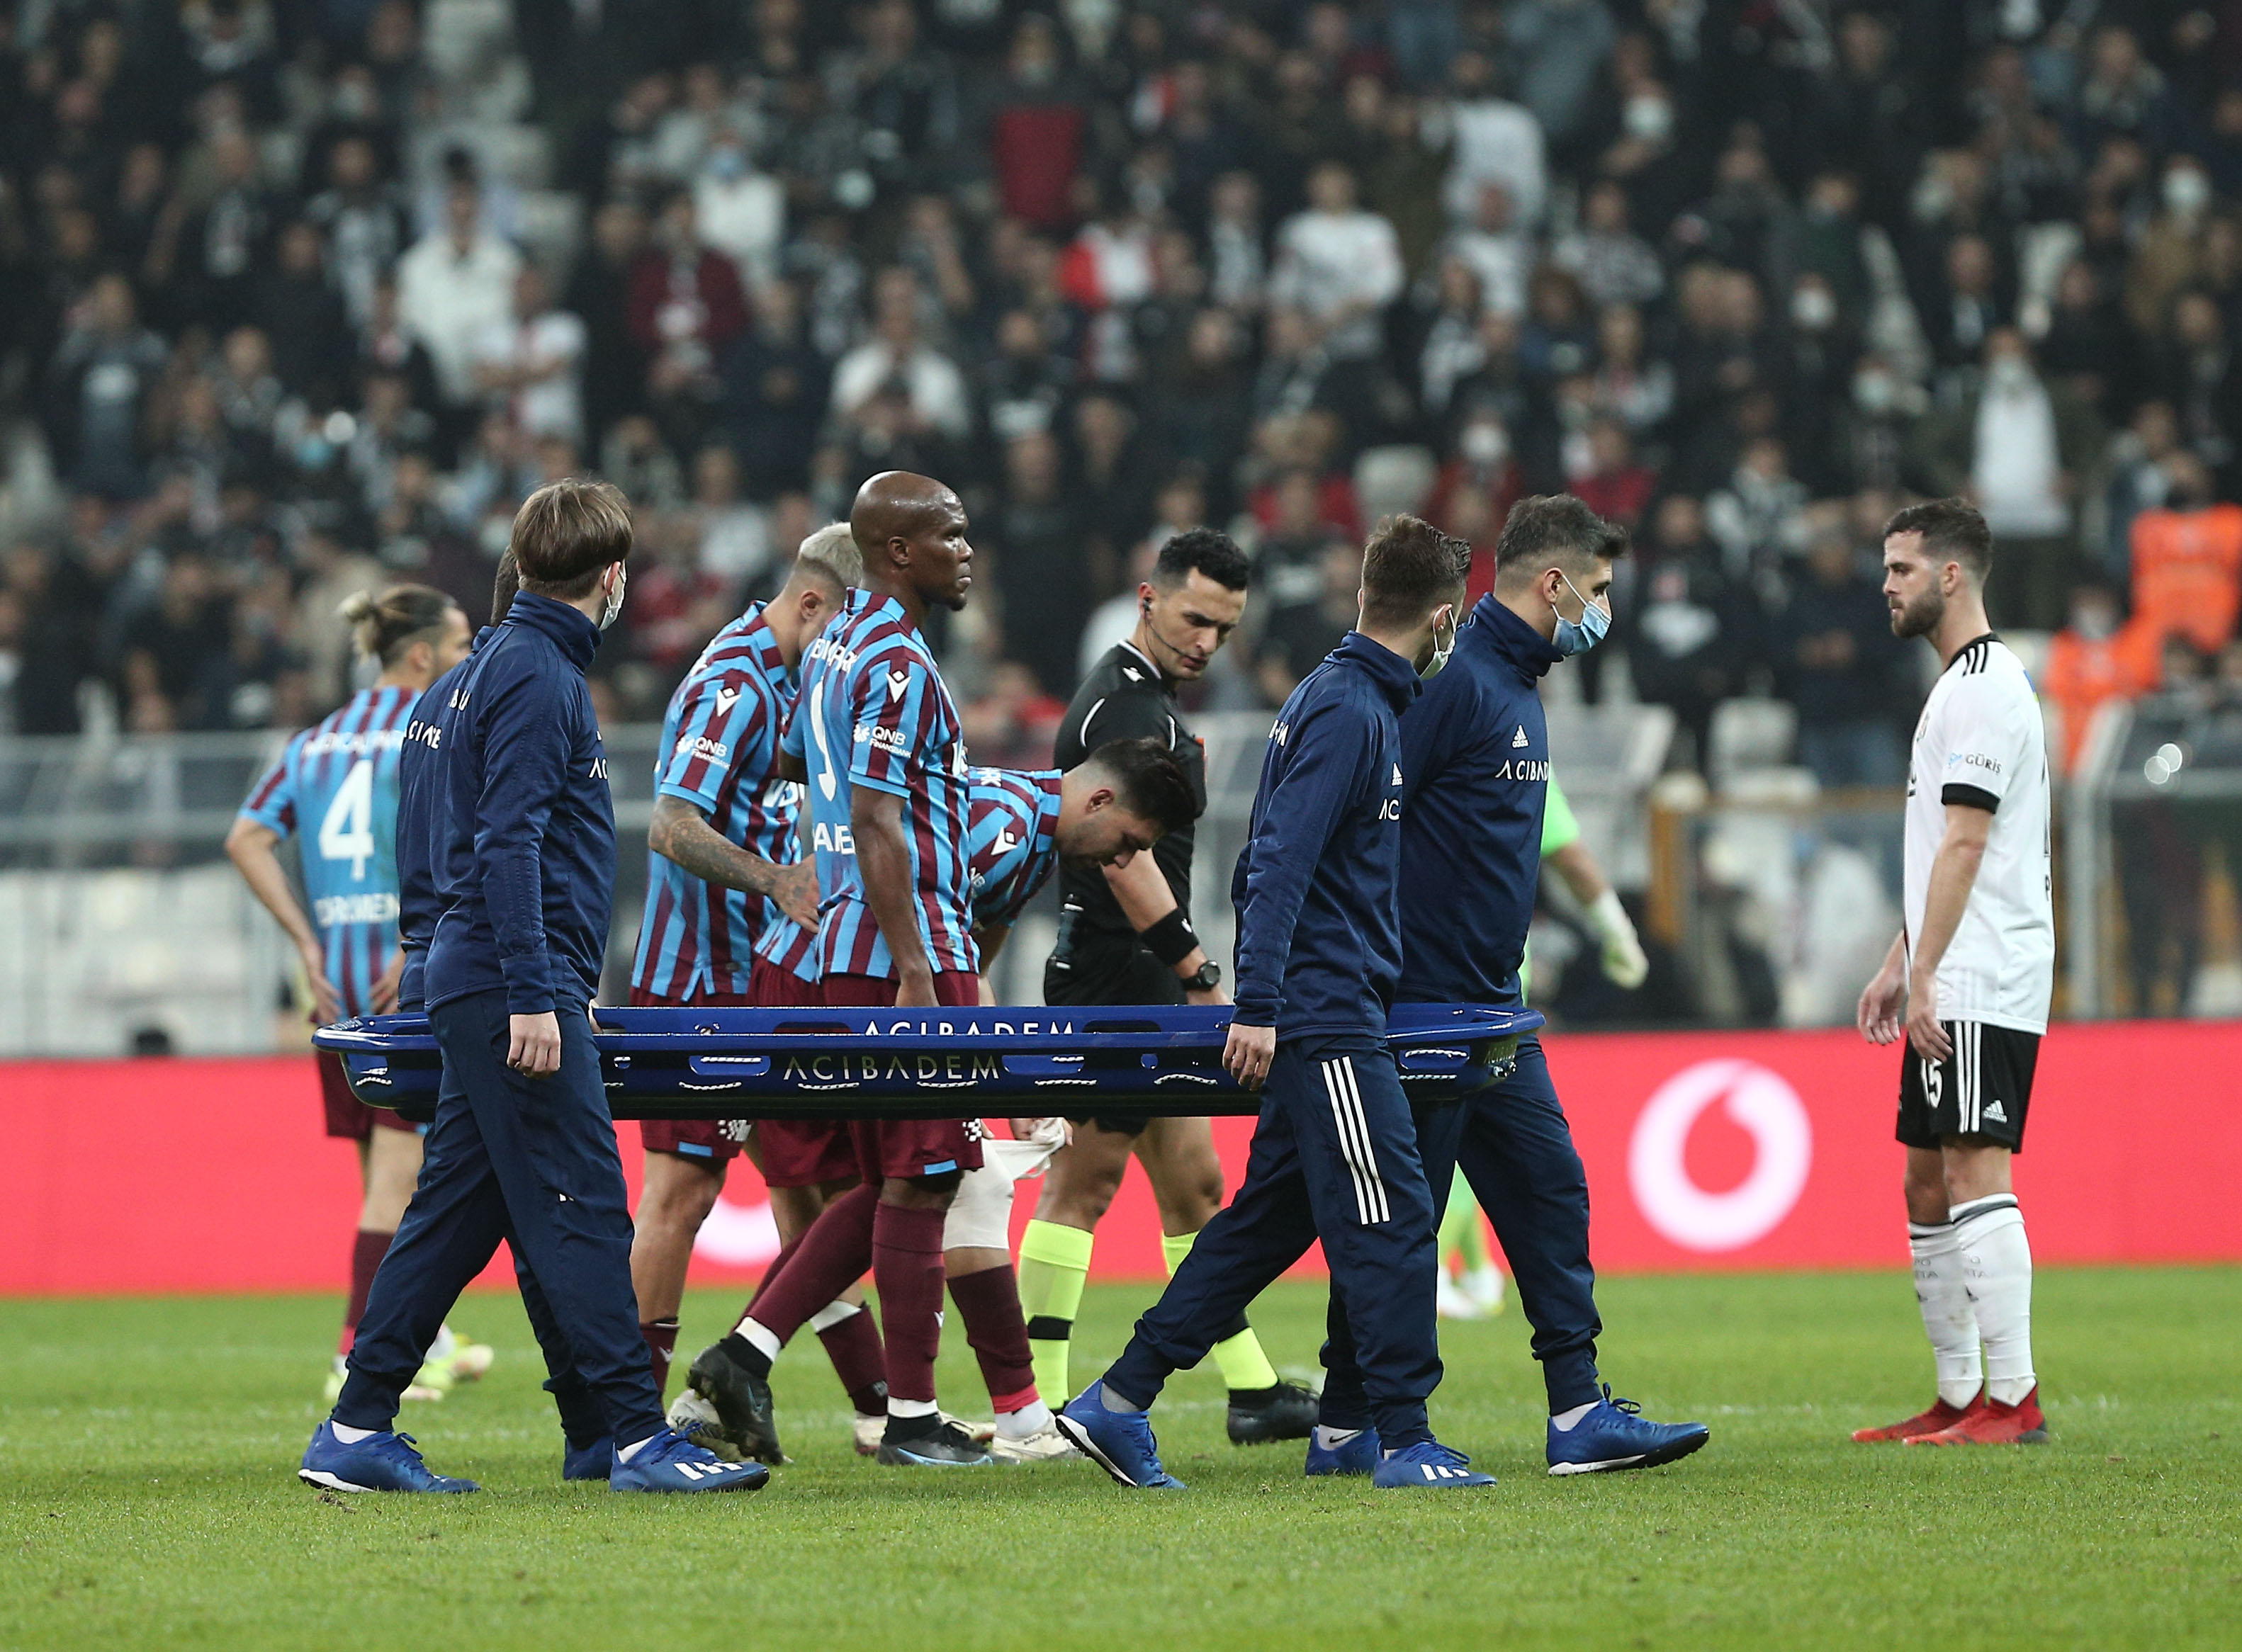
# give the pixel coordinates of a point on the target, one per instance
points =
(1149, 781)
(383, 627)
(566, 532)
(1950, 529)
(1206, 550)
(1409, 568)
(1550, 528)
(830, 556)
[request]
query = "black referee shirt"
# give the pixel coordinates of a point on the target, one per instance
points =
(1125, 698)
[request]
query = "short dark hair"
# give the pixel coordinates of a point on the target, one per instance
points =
(1558, 524)
(504, 584)
(1149, 781)
(1208, 550)
(1409, 568)
(566, 532)
(1949, 528)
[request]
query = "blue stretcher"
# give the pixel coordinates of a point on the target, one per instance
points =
(1011, 1060)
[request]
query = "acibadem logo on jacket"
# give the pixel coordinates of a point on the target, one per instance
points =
(1524, 768)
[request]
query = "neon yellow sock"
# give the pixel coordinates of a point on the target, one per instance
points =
(1054, 1266)
(1243, 1363)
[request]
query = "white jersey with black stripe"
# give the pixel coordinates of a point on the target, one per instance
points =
(1982, 742)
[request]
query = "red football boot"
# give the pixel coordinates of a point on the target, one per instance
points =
(1992, 1423)
(1941, 1416)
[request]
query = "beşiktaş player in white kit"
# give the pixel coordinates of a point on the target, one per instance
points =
(1972, 973)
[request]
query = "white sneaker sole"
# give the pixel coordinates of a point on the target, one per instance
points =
(321, 1478)
(1041, 1447)
(1080, 1440)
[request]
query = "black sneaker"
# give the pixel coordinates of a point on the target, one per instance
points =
(743, 1399)
(1257, 1416)
(945, 1447)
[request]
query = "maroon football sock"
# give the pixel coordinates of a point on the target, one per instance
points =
(859, 1361)
(661, 1348)
(786, 1255)
(367, 1251)
(907, 1269)
(828, 1259)
(988, 1302)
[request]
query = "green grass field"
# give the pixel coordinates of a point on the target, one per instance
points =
(147, 1498)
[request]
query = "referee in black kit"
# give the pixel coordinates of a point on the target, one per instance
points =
(1125, 937)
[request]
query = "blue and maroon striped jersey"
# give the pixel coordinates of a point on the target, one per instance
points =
(874, 712)
(336, 783)
(719, 751)
(1012, 839)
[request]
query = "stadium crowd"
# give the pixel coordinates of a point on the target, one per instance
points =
(297, 299)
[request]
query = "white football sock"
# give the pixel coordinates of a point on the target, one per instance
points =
(1947, 1317)
(1025, 1423)
(1996, 1265)
(762, 1337)
(910, 1408)
(1566, 1422)
(1332, 1439)
(822, 1321)
(349, 1435)
(624, 1453)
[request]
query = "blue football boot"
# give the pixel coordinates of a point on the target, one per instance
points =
(1616, 1435)
(1427, 1466)
(594, 1462)
(1120, 1442)
(671, 1463)
(1355, 1456)
(383, 1461)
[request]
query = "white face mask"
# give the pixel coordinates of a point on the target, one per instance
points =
(1439, 662)
(615, 608)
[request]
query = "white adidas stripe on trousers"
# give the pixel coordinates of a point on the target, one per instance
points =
(1370, 1206)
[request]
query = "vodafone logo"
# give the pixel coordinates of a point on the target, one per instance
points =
(1758, 1100)
(737, 1235)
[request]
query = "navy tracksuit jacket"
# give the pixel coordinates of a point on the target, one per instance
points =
(512, 790)
(1334, 1154)
(1475, 752)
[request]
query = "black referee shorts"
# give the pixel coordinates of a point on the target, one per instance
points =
(1981, 1091)
(1108, 970)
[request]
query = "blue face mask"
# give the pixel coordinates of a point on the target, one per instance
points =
(1577, 637)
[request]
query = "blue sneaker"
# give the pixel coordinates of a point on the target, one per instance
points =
(380, 1463)
(671, 1463)
(1355, 1456)
(594, 1462)
(1426, 1466)
(1120, 1442)
(1616, 1435)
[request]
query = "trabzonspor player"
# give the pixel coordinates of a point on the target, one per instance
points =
(334, 788)
(722, 867)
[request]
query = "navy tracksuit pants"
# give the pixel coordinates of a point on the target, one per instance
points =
(1334, 1157)
(1516, 1150)
(532, 1161)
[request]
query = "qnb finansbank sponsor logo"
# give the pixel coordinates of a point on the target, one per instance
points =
(1758, 1100)
(329, 911)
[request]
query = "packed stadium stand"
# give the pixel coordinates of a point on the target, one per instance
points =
(295, 298)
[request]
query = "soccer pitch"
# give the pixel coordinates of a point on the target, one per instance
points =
(147, 1497)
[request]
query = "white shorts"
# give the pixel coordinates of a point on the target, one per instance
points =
(981, 1216)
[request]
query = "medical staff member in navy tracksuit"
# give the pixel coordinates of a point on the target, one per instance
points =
(520, 834)
(1334, 1154)
(1475, 751)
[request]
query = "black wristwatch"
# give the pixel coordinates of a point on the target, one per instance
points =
(1206, 979)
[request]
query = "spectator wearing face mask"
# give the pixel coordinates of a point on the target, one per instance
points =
(2093, 660)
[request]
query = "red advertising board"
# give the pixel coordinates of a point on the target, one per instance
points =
(1711, 1150)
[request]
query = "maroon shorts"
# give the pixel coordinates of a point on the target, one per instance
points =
(798, 1153)
(714, 1142)
(348, 1118)
(910, 1147)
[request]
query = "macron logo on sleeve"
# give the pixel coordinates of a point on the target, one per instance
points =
(724, 698)
(898, 680)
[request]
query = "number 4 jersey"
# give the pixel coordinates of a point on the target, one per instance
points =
(1982, 742)
(336, 783)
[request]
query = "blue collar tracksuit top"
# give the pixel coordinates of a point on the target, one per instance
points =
(522, 824)
(1318, 924)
